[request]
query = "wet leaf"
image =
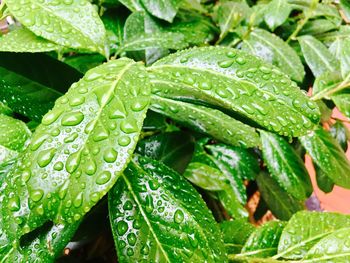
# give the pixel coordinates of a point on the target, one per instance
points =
(276, 13)
(69, 23)
(78, 152)
(236, 81)
(274, 50)
(328, 155)
(163, 9)
(161, 224)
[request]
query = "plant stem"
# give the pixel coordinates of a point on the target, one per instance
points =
(302, 22)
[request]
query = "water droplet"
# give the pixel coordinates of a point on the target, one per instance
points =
(122, 227)
(14, 204)
(76, 101)
(178, 216)
(78, 200)
(131, 239)
(103, 177)
(129, 126)
(58, 166)
(110, 155)
(240, 60)
(72, 118)
(73, 162)
(63, 190)
(225, 63)
(92, 76)
(36, 195)
(45, 157)
(124, 141)
(139, 105)
(91, 168)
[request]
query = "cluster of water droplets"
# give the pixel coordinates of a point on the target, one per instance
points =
(81, 147)
(240, 82)
(157, 213)
(69, 23)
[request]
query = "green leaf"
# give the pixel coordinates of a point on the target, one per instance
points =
(318, 26)
(305, 229)
(328, 155)
(83, 63)
(154, 121)
(276, 13)
(208, 121)
(133, 5)
(229, 14)
(23, 40)
(274, 50)
(340, 133)
(323, 181)
(235, 234)
(236, 81)
(342, 101)
(345, 6)
(263, 242)
(4, 109)
(114, 24)
(168, 223)
(330, 37)
(163, 9)
(78, 152)
(174, 149)
(73, 24)
(334, 248)
(317, 56)
(30, 83)
(345, 59)
(239, 159)
(285, 166)
(326, 84)
(13, 133)
(281, 204)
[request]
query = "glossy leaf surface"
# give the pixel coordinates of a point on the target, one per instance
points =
(208, 121)
(163, 9)
(23, 40)
(236, 81)
(69, 23)
(156, 215)
(285, 166)
(276, 13)
(13, 133)
(328, 155)
(305, 229)
(274, 50)
(281, 204)
(62, 174)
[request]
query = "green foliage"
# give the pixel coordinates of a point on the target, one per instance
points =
(170, 119)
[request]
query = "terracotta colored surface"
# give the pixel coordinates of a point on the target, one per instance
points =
(339, 199)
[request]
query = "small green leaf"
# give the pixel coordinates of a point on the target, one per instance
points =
(318, 26)
(13, 133)
(237, 158)
(235, 234)
(328, 155)
(317, 56)
(323, 181)
(263, 242)
(274, 50)
(133, 5)
(236, 81)
(285, 166)
(23, 40)
(341, 134)
(276, 13)
(30, 83)
(333, 248)
(163, 9)
(342, 101)
(73, 24)
(76, 155)
(281, 204)
(208, 121)
(229, 14)
(168, 223)
(305, 229)
(174, 149)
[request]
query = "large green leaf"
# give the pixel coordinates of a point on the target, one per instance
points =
(78, 152)
(274, 50)
(74, 24)
(334, 248)
(174, 149)
(305, 229)
(163, 9)
(235, 234)
(23, 40)
(263, 242)
(209, 121)
(286, 166)
(30, 83)
(328, 155)
(281, 204)
(157, 216)
(317, 56)
(276, 13)
(239, 82)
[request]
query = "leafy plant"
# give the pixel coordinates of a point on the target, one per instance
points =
(169, 119)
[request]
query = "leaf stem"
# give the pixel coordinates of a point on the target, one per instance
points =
(302, 22)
